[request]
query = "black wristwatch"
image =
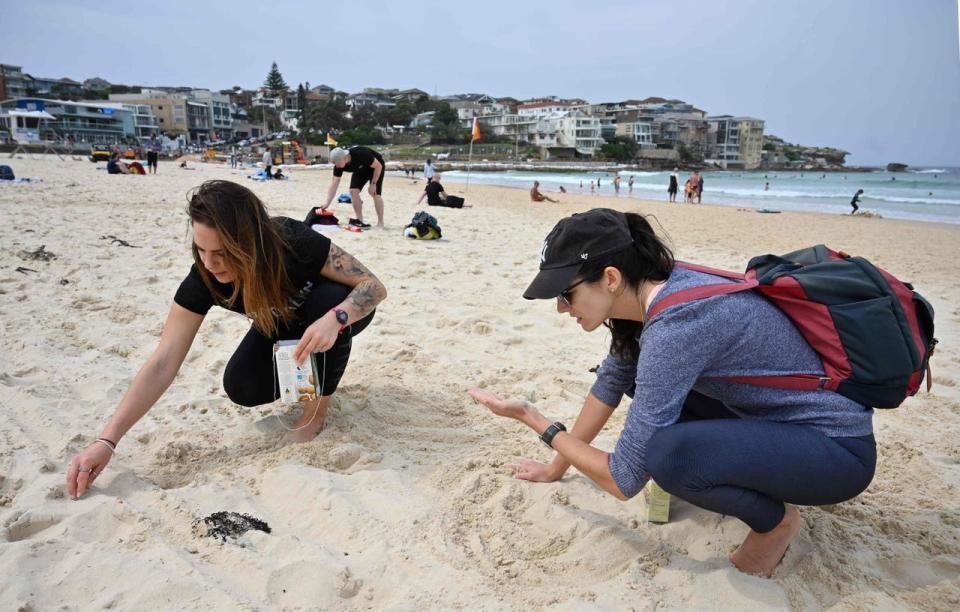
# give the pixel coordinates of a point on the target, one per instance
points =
(547, 436)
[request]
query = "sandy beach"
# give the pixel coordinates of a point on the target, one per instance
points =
(404, 501)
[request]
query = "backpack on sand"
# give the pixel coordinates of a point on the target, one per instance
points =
(872, 332)
(6, 173)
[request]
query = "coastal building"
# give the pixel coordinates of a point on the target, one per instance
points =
(481, 107)
(54, 88)
(372, 97)
(145, 123)
(422, 120)
(91, 122)
(218, 109)
(735, 142)
(641, 131)
(13, 82)
(180, 113)
(544, 108)
(97, 85)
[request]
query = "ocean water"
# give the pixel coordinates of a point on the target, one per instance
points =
(922, 194)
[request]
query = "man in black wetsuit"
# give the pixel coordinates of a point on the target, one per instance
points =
(364, 164)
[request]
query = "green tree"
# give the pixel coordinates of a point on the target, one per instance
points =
(444, 115)
(360, 135)
(621, 149)
(274, 81)
(272, 117)
(321, 119)
(365, 114)
(689, 155)
(401, 114)
(302, 103)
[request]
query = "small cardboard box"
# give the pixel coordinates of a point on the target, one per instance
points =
(297, 383)
(658, 503)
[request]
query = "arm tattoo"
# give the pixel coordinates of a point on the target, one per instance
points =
(368, 292)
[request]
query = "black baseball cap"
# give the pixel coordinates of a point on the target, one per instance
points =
(574, 241)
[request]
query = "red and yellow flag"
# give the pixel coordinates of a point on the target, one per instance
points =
(475, 135)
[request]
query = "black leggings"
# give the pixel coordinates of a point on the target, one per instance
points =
(250, 378)
(748, 468)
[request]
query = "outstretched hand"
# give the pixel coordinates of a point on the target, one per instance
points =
(534, 471)
(510, 408)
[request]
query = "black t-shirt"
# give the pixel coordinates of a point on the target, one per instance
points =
(303, 264)
(433, 190)
(361, 159)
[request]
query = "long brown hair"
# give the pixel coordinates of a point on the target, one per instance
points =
(253, 249)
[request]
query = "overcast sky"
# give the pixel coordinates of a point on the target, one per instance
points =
(879, 78)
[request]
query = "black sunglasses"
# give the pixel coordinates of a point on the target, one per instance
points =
(565, 295)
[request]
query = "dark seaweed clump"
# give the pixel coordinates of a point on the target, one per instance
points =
(223, 525)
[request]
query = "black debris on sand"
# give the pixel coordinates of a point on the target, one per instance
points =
(224, 524)
(114, 240)
(41, 254)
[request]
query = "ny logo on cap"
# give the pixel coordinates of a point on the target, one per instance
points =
(543, 252)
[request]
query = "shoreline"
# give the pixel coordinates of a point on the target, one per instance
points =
(737, 207)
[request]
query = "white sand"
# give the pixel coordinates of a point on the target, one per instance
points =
(404, 501)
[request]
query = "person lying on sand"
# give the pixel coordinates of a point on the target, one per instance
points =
(736, 449)
(293, 282)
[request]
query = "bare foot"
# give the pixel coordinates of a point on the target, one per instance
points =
(760, 553)
(310, 423)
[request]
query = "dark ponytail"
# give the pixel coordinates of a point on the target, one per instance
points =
(648, 259)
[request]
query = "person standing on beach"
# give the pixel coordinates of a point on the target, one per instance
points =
(674, 186)
(267, 162)
(616, 184)
(292, 282)
(365, 165)
(428, 169)
(699, 187)
(735, 449)
(153, 153)
(630, 185)
(855, 202)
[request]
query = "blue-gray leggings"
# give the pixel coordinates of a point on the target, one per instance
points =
(748, 468)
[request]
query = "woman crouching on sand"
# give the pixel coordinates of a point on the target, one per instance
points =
(291, 281)
(730, 448)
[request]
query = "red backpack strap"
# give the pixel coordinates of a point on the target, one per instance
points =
(709, 270)
(796, 382)
(705, 291)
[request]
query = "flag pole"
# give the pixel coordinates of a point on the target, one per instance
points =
(469, 161)
(474, 135)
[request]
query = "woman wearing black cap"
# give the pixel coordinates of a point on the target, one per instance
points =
(735, 449)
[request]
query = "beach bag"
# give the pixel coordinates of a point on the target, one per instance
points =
(872, 332)
(6, 173)
(318, 216)
(423, 226)
(454, 202)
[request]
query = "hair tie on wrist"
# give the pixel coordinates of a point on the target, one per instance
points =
(108, 443)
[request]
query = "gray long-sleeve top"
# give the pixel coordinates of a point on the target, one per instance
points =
(682, 347)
